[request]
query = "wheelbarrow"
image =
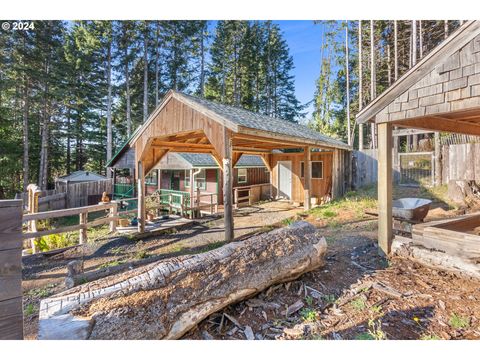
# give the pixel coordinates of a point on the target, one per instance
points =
(411, 209)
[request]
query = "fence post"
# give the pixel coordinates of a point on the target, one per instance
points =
(113, 214)
(83, 217)
(11, 311)
(235, 198)
(197, 202)
(33, 194)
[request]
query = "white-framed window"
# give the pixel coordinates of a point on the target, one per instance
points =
(242, 176)
(200, 180)
(186, 182)
(316, 169)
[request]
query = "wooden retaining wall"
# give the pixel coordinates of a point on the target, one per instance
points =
(11, 311)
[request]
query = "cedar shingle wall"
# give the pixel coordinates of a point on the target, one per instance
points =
(452, 85)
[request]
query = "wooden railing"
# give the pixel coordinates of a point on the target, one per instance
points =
(82, 226)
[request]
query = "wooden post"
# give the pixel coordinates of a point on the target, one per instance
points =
(192, 188)
(307, 177)
(235, 198)
(11, 311)
(82, 238)
(385, 225)
(438, 160)
(335, 179)
(197, 202)
(141, 197)
(227, 185)
(113, 214)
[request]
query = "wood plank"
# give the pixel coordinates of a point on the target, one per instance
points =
(10, 226)
(307, 177)
(227, 185)
(10, 274)
(11, 319)
(385, 225)
(66, 212)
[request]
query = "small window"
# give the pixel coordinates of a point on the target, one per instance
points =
(152, 178)
(316, 169)
(186, 182)
(200, 180)
(242, 176)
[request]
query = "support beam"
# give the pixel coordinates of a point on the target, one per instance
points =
(385, 224)
(267, 160)
(442, 124)
(141, 197)
(307, 177)
(228, 185)
(235, 158)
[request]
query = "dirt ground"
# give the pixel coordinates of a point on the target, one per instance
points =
(44, 276)
(356, 295)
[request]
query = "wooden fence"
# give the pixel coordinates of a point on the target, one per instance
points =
(365, 168)
(85, 193)
(11, 310)
(69, 195)
(461, 162)
(82, 226)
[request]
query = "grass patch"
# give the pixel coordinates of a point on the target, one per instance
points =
(359, 304)
(30, 309)
(364, 336)
(212, 246)
(288, 221)
(329, 213)
(42, 292)
(459, 322)
(110, 264)
(308, 314)
(141, 254)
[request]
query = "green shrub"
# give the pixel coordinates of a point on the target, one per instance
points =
(54, 241)
(459, 322)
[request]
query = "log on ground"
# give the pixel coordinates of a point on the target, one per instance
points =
(164, 300)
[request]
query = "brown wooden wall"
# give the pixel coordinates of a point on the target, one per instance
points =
(320, 187)
(11, 311)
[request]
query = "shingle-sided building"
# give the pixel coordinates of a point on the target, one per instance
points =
(189, 124)
(440, 93)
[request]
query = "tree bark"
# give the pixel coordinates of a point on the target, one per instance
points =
(360, 84)
(26, 143)
(373, 80)
(165, 299)
(157, 35)
(145, 74)
(109, 106)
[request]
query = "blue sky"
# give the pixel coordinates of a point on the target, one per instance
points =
(303, 38)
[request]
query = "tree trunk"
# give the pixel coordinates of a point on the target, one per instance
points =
(26, 143)
(360, 84)
(165, 299)
(347, 75)
(202, 62)
(157, 34)
(109, 106)
(145, 74)
(373, 81)
(395, 49)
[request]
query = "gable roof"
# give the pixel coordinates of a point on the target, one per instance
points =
(82, 175)
(206, 160)
(248, 119)
(464, 34)
(236, 119)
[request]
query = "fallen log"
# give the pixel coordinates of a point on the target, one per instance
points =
(165, 299)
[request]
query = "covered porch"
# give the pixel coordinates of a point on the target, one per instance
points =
(188, 124)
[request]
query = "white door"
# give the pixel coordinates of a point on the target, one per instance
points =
(285, 179)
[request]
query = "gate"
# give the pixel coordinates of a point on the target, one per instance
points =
(416, 168)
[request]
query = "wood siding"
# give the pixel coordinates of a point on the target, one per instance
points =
(320, 187)
(453, 85)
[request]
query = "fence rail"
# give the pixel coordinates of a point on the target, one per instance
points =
(82, 226)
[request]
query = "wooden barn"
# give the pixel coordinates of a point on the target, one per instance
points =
(189, 124)
(440, 93)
